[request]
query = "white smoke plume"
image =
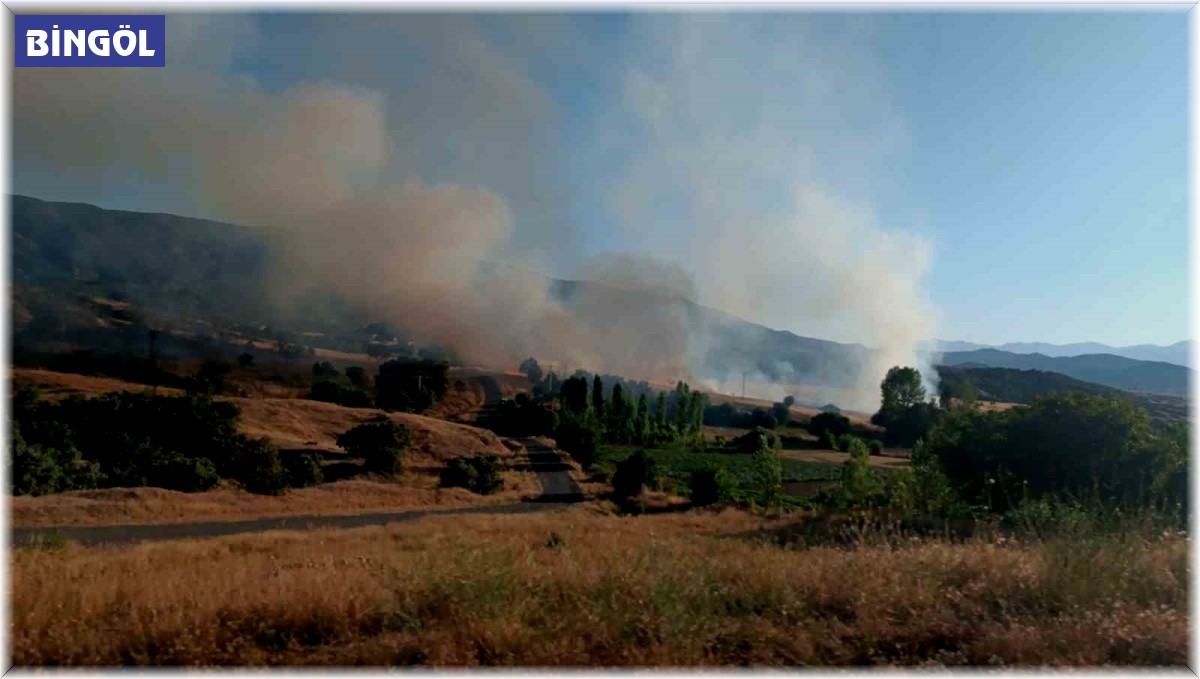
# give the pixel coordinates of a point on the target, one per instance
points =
(745, 140)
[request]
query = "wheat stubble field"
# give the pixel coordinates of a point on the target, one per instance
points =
(583, 587)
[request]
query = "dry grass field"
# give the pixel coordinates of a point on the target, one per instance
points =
(583, 588)
(291, 424)
(142, 506)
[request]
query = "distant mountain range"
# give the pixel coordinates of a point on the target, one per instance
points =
(1178, 353)
(1106, 369)
(83, 274)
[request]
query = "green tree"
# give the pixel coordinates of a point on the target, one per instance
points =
(598, 397)
(381, 444)
(574, 394)
(357, 376)
(767, 473)
(531, 369)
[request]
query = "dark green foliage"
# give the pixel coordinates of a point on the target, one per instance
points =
(479, 473)
(324, 370)
(632, 475)
(767, 474)
(531, 369)
(901, 389)
(260, 469)
(303, 469)
(522, 416)
(1071, 444)
(381, 444)
(781, 413)
(598, 397)
(409, 385)
(579, 439)
(1023, 386)
(332, 392)
(726, 415)
(750, 442)
(834, 423)
(127, 439)
(904, 415)
(710, 486)
(875, 446)
(357, 376)
(209, 378)
(176, 472)
(574, 394)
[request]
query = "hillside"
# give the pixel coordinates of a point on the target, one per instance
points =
(84, 276)
(1178, 353)
(1106, 369)
(1008, 385)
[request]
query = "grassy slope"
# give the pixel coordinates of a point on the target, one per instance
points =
(290, 424)
(683, 589)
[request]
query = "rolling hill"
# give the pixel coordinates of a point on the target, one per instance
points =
(1106, 369)
(87, 276)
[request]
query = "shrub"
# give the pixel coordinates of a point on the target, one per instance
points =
(876, 446)
(187, 474)
(357, 376)
(710, 486)
(332, 392)
(834, 423)
(381, 444)
(580, 440)
(632, 475)
(752, 441)
(767, 474)
(303, 469)
(479, 474)
(260, 469)
(845, 441)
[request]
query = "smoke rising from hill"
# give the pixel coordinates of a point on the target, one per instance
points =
(759, 219)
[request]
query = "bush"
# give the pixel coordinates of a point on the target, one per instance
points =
(750, 442)
(710, 486)
(187, 474)
(332, 392)
(1099, 448)
(632, 475)
(124, 439)
(767, 473)
(303, 469)
(876, 446)
(260, 469)
(580, 440)
(846, 441)
(381, 444)
(834, 423)
(479, 474)
(357, 376)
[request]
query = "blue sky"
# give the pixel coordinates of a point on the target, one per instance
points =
(991, 177)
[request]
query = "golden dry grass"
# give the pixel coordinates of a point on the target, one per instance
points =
(142, 506)
(290, 424)
(293, 423)
(581, 588)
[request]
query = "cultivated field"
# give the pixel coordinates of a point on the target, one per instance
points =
(580, 588)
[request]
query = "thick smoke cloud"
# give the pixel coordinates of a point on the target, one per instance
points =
(403, 200)
(765, 136)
